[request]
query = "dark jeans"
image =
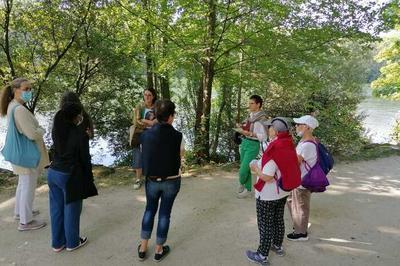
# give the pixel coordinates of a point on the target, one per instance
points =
(64, 217)
(271, 224)
(156, 190)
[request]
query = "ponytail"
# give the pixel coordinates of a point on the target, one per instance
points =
(7, 95)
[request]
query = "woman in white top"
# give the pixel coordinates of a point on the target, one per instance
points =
(15, 95)
(299, 199)
(270, 202)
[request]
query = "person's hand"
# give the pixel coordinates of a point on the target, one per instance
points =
(254, 167)
(153, 122)
(149, 123)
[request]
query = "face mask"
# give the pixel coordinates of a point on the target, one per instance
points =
(300, 134)
(26, 96)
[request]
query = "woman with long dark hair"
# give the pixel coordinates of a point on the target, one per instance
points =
(68, 179)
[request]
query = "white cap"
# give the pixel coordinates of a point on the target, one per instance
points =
(307, 120)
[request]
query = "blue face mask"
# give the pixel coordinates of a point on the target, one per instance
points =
(26, 96)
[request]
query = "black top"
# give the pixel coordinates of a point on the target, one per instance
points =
(71, 155)
(161, 147)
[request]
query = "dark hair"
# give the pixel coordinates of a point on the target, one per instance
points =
(7, 94)
(164, 109)
(69, 96)
(72, 97)
(257, 99)
(63, 122)
(153, 91)
(70, 110)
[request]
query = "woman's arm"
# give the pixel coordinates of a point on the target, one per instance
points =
(149, 123)
(137, 117)
(267, 178)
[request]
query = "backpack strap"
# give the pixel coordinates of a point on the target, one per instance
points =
(316, 147)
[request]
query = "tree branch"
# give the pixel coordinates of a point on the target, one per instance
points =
(229, 66)
(6, 48)
(51, 67)
(182, 45)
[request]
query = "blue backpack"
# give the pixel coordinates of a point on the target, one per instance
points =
(325, 158)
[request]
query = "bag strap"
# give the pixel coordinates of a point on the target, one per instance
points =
(306, 164)
(12, 118)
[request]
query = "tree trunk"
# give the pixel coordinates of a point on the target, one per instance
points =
(6, 45)
(164, 79)
(197, 125)
(148, 52)
(149, 61)
(239, 99)
(164, 87)
(215, 142)
(207, 83)
(239, 102)
(231, 122)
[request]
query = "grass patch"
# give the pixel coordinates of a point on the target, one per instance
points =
(107, 177)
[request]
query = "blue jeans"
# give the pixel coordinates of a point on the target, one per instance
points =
(166, 191)
(64, 217)
(137, 158)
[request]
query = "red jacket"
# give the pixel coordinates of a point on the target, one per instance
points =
(283, 152)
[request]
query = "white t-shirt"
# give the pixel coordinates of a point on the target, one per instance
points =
(270, 191)
(308, 151)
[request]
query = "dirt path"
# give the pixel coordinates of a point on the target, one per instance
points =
(357, 222)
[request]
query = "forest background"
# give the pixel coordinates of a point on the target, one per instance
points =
(208, 57)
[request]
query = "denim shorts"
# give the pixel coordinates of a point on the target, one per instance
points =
(137, 158)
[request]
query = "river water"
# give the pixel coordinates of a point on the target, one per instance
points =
(380, 117)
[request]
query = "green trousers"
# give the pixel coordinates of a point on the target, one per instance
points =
(248, 151)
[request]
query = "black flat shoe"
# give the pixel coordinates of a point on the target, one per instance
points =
(160, 257)
(141, 254)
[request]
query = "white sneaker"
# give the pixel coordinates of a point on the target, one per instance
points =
(244, 194)
(82, 241)
(33, 225)
(138, 184)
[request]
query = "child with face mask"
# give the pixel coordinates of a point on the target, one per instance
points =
(299, 198)
(12, 103)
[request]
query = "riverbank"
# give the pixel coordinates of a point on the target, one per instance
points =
(355, 222)
(117, 176)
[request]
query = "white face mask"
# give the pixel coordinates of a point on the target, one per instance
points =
(300, 133)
